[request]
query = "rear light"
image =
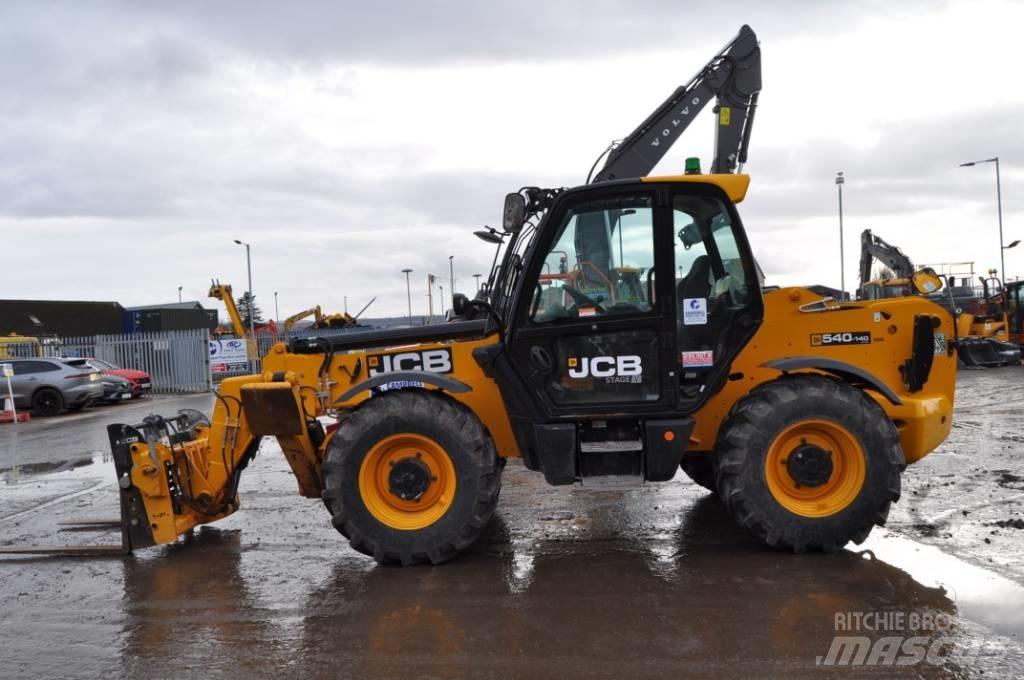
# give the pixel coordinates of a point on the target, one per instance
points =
(82, 376)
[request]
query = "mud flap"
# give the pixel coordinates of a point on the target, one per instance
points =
(666, 442)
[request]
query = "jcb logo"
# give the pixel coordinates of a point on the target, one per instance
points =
(605, 367)
(431, 361)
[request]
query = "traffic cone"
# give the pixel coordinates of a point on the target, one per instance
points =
(7, 414)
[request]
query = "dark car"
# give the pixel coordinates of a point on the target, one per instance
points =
(140, 381)
(48, 386)
(115, 388)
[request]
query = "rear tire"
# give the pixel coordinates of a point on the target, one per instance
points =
(419, 438)
(47, 402)
(700, 468)
(781, 441)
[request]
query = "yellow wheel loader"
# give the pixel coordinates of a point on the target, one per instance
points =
(625, 332)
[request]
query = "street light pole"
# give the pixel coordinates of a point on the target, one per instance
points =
(252, 351)
(999, 206)
(277, 314)
(451, 275)
(408, 292)
(842, 259)
(252, 299)
(477, 277)
(179, 294)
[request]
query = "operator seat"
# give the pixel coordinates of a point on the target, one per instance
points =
(697, 283)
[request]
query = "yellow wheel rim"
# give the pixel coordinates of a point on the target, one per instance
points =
(399, 458)
(821, 498)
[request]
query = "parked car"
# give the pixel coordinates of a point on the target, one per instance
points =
(49, 386)
(115, 388)
(140, 381)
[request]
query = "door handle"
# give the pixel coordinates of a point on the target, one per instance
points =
(541, 359)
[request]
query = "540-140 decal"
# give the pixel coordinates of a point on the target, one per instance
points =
(840, 338)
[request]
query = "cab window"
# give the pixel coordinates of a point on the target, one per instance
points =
(601, 264)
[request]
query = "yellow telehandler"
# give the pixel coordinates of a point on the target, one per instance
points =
(624, 332)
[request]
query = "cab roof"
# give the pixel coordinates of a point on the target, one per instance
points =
(734, 185)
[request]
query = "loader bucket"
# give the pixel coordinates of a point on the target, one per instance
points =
(987, 352)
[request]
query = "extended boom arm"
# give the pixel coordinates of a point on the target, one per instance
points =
(733, 76)
(874, 248)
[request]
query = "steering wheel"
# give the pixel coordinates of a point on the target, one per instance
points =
(581, 298)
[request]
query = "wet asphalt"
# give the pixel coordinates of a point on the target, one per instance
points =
(610, 580)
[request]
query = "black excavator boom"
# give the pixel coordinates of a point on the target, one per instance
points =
(733, 78)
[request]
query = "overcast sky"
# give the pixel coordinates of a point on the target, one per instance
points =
(349, 140)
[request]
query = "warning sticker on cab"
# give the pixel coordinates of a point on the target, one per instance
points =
(840, 338)
(699, 359)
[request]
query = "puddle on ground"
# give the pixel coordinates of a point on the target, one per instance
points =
(14, 473)
(34, 486)
(979, 594)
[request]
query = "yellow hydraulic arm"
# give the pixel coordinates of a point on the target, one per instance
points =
(314, 312)
(222, 292)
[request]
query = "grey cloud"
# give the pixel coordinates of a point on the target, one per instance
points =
(115, 128)
(421, 32)
(909, 169)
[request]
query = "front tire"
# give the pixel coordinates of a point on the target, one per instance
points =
(807, 462)
(411, 477)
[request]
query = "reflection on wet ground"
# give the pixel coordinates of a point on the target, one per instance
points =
(599, 583)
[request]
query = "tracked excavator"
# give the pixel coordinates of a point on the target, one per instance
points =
(625, 333)
(322, 321)
(873, 248)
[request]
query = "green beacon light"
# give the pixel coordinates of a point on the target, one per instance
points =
(692, 166)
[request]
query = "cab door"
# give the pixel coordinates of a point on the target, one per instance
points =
(717, 291)
(594, 332)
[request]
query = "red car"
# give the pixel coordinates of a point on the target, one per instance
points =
(140, 380)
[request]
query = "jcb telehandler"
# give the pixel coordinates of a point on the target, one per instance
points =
(625, 332)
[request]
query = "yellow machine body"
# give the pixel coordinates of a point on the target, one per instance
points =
(274, 403)
(297, 392)
(14, 345)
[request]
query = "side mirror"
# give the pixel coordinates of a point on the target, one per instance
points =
(515, 213)
(460, 304)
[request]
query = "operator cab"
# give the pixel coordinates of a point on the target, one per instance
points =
(633, 299)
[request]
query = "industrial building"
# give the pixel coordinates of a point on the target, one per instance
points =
(176, 316)
(60, 317)
(72, 318)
